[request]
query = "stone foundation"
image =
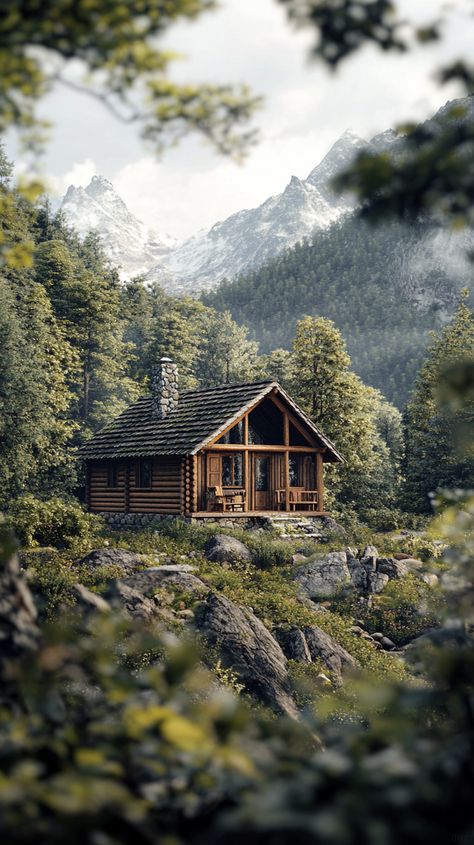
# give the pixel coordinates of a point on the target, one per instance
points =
(138, 521)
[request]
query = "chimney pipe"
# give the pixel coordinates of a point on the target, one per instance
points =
(164, 388)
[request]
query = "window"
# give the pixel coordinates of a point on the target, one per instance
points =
(294, 471)
(235, 435)
(232, 470)
(112, 475)
(144, 474)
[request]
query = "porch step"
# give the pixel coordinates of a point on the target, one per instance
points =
(295, 527)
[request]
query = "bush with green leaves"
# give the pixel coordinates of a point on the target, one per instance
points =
(55, 522)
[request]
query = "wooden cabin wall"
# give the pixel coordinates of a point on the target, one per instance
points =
(101, 497)
(164, 496)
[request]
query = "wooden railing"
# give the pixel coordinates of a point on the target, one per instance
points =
(299, 499)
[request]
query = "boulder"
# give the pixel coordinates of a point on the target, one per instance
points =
(245, 645)
(333, 655)
(323, 576)
(429, 578)
(369, 551)
(359, 575)
(19, 632)
(222, 548)
(293, 643)
(177, 577)
(88, 601)
(377, 581)
(133, 603)
(392, 567)
(332, 528)
(124, 560)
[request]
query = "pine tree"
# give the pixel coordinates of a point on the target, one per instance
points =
(227, 355)
(345, 409)
(432, 458)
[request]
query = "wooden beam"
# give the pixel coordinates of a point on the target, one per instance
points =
(311, 438)
(320, 480)
(246, 430)
(286, 429)
(236, 447)
(246, 480)
(287, 480)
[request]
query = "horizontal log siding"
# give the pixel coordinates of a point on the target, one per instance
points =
(101, 496)
(164, 495)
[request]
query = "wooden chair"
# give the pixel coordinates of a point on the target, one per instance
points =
(215, 499)
(225, 502)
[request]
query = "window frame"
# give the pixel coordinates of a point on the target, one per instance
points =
(112, 476)
(233, 457)
(146, 462)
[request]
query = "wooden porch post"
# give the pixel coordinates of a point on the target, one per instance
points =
(246, 464)
(286, 441)
(320, 480)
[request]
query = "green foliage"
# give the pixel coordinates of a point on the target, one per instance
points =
(118, 46)
(434, 457)
(348, 274)
(354, 417)
(55, 522)
(406, 609)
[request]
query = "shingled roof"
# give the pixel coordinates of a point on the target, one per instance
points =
(199, 417)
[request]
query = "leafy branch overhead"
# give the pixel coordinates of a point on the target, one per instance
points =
(123, 66)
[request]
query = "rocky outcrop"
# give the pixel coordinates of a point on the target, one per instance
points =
(177, 577)
(245, 645)
(310, 644)
(135, 604)
(222, 548)
(88, 601)
(123, 559)
(323, 576)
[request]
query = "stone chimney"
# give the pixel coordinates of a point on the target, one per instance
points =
(164, 388)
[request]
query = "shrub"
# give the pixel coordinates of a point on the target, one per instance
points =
(405, 609)
(55, 522)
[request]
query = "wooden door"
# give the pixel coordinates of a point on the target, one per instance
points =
(214, 471)
(262, 486)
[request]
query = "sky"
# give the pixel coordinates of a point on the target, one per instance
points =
(305, 111)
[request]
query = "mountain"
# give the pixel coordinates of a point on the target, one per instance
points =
(129, 244)
(250, 237)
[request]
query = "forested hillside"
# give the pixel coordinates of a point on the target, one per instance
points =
(372, 282)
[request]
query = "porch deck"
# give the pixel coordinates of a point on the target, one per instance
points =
(275, 515)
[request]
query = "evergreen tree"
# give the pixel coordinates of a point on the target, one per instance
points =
(345, 409)
(432, 459)
(226, 356)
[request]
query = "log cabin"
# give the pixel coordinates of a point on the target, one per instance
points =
(245, 449)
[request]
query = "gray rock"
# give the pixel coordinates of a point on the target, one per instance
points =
(222, 548)
(323, 576)
(249, 649)
(358, 575)
(369, 551)
(88, 601)
(377, 581)
(171, 577)
(135, 604)
(332, 528)
(127, 561)
(391, 567)
(19, 632)
(333, 655)
(429, 578)
(387, 643)
(293, 643)
(298, 559)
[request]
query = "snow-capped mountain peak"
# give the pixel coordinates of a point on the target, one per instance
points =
(130, 245)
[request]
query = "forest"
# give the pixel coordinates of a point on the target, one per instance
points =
(358, 276)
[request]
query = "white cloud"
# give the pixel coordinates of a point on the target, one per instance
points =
(79, 174)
